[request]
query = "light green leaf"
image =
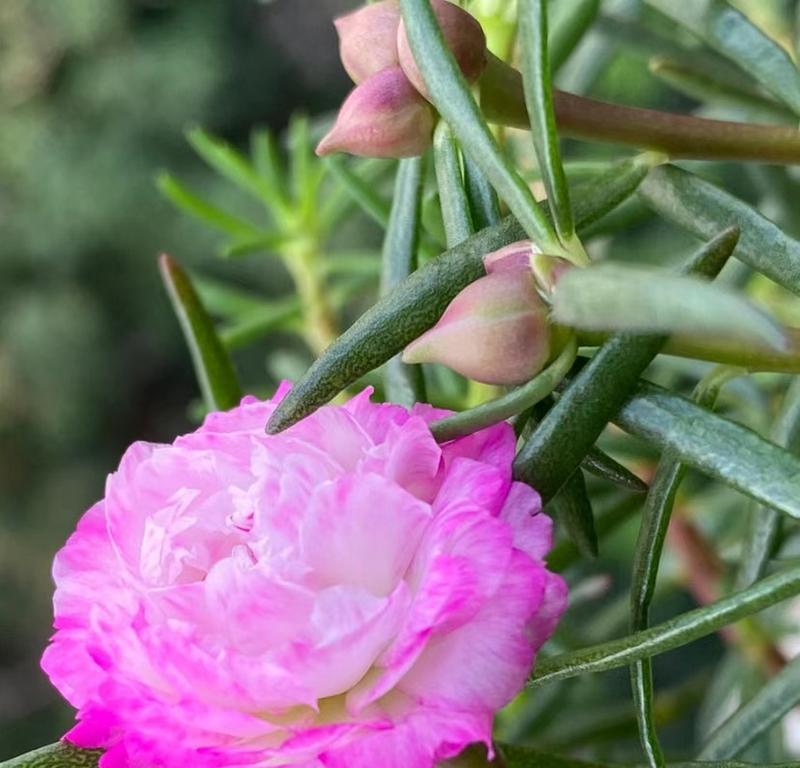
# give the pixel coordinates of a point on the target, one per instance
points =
(671, 634)
(731, 33)
(454, 100)
(621, 297)
(757, 716)
(212, 365)
(703, 209)
(483, 203)
(182, 197)
(571, 19)
(362, 192)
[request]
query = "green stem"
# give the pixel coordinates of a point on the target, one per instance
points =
(509, 405)
(679, 136)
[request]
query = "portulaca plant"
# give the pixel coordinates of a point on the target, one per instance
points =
(358, 570)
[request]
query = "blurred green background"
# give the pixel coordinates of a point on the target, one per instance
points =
(95, 96)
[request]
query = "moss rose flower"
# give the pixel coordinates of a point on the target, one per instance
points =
(345, 594)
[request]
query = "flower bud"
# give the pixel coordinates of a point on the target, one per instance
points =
(495, 331)
(382, 117)
(463, 35)
(368, 39)
(516, 256)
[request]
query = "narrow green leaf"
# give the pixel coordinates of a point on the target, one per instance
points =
(603, 466)
(232, 165)
(58, 755)
(732, 34)
(571, 20)
(305, 171)
(698, 85)
(365, 196)
(265, 242)
(720, 448)
(646, 560)
(212, 364)
(764, 523)
(539, 100)
(223, 299)
(757, 716)
(285, 314)
(483, 203)
(404, 383)
(182, 197)
(703, 209)
(623, 297)
(267, 161)
(594, 396)
(456, 214)
(510, 404)
(454, 100)
(673, 633)
(572, 509)
(416, 304)
(527, 757)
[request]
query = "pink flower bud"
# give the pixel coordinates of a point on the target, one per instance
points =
(368, 39)
(495, 331)
(463, 35)
(514, 257)
(382, 117)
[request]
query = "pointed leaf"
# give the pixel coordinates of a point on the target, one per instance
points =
(212, 365)
(780, 695)
(571, 20)
(673, 633)
(731, 33)
(539, 101)
(417, 303)
(594, 396)
(703, 209)
(720, 448)
(483, 203)
(572, 509)
(456, 214)
(621, 297)
(454, 100)
(404, 383)
(58, 755)
(603, 466)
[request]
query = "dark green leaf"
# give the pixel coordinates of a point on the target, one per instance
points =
(212, 365)
(764, 523)
(453, 98)
(720, 448)
(415, 305)
(703, 209)
(603, 466)
(404, 383)
(452, 195)
(731, 33)
(539, 101)
(757, 716)
(673, 633)
(594, 396)
(572, 509)
(483, 203)
(508, 405)
(623, 297)
(58, 755)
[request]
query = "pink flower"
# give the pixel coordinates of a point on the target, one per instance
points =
(346, 594)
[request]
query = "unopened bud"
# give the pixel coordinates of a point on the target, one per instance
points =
(495, 331)
(464, 37)
(368, 39)
(548, 269)
(516, 256)
(382, 117)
